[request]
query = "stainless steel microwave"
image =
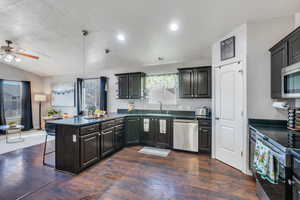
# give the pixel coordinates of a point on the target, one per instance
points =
(290, 77)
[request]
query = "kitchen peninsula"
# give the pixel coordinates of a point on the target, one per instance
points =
(82, 142)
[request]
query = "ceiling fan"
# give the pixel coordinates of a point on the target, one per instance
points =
(10, 54)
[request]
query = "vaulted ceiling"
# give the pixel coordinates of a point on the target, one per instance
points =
(51, 29)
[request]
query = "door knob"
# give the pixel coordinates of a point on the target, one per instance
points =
(217, 118)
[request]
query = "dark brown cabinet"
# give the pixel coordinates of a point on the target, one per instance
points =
(163, 132)
(296, 189)
(148, 131)
(285, 53)
(204, 141)
(278, 61)
(131, 85)
(107, 141)
(119, 136)
(202, 83)
(195, 82)
(132, 128)
(123, 87)
(156, 132)
(89, 149)
(186, 83)
(294, 47)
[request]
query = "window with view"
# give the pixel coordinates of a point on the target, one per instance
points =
(12, 100)
(90, 94)
(162, 88)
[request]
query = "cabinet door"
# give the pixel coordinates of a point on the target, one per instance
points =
(278, 61)
(107, 141)
(294, 48)
(163, 132)
(132, 130)
(205, 139)
(123, 86)
(186, 83)
(296, 188)
(148, 131)
(89, 149)
(135, 81)
(202, 83)
(119, 136)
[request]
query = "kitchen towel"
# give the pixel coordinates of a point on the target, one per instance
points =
(265, 163)
(146, 125)
(163, 126)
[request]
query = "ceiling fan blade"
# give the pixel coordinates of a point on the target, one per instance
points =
(27, 55)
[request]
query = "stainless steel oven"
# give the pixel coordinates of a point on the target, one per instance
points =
(290, 81)
(283, 189)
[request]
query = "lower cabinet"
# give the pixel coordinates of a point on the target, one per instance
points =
(148, 131)
(205, 139)
(107, 141)
(296, 188)
(164, 130)
(119, 136)
(132, 128)
(156, 132)
(204, 136)
(89, 149)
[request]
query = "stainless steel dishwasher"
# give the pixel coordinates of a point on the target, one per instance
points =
(185, 135)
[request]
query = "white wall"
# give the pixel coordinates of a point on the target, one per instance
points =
(11, 73)
(114, 104)
(297, 20)
(262, 35)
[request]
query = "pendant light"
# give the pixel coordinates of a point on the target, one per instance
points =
(84, 35)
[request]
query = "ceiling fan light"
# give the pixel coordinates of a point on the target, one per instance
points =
(9, 58)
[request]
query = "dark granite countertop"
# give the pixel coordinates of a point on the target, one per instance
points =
(277, 133)
(82, 121)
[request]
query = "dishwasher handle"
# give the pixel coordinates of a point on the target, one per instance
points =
(185, 121)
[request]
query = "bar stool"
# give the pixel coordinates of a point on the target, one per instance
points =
(50, 131)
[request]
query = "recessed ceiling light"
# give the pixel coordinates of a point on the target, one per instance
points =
(174, 27)
(121, 37)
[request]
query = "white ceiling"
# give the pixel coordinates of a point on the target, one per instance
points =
(51, 29)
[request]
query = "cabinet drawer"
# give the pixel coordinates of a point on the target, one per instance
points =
(107, 124)
(296, 167)
(205, 123)
(89, 129)
(119, 121)
(120, 127)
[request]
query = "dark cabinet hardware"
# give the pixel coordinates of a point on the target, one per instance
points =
(131, 85)
(195, 82)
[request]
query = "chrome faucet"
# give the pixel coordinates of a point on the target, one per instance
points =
(160, 106)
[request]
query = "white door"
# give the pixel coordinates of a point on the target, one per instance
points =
(229, 114)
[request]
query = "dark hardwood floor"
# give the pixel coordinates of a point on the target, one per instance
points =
(125, 175)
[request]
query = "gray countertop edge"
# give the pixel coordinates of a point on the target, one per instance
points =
(84, 122)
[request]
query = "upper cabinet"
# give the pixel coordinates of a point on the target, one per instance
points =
(131, 85)
(284, 53)
(195, 82)
(294, 47)
(278, 61)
